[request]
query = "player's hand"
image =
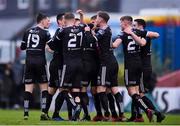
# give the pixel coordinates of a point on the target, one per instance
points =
(93, 32)
(87, 28)
(79, 11)
(128, 30)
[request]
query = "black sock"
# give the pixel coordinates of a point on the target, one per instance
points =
(85, 102)
(44, 95)
(58, 104)
(27, 100)
(112, 105)
(133, 110)
(119, 102)
(97, 104)
(104, 102)
(139, 112)
(49, 100)
(150, 105)
(139, 102)
(69, 107)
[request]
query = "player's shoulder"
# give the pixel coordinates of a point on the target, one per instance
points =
(122, 35)
(59, 30)
(140, 32)
(101, 31)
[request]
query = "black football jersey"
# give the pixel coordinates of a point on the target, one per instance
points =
(146, 50)
(72, 38)
(104, 39)
(56, 44)
(130, 48)
(34, 41)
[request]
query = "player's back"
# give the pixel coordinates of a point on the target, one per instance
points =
(130, 47)
(72, 38)
(35, 40)
(146, 50)
(105, 43)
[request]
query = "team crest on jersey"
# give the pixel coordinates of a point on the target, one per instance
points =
(60, 29)
(75, 30)
(101, 31)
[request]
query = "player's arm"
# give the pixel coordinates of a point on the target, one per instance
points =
(52, 43)
(117, 42)
(24, 42)
(139, 40)
(94, 37)
(152, 34)
(89, 35)
(49, 49)
(81, 14)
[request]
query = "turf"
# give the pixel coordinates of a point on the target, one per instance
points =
(15, 117)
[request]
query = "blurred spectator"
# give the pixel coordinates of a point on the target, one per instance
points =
(7, 86)
(18, 86)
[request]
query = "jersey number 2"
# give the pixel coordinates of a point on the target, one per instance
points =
(131, 44)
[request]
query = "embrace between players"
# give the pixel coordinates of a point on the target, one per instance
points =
(83, 55)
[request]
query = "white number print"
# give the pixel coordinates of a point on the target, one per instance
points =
(131, 44)
(72, 42)
(34, 38)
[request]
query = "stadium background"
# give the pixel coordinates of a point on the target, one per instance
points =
(162, 16)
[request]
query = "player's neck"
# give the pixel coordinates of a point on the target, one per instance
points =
(69, 24)
(103, 25)
(41, 26)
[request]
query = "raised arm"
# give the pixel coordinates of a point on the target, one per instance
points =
(152, 34)
(81, 14)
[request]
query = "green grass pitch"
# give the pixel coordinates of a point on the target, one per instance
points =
(15, 117)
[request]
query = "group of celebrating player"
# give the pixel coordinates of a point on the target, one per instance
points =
(83, 55)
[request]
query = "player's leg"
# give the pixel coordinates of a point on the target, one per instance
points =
(132, 79)
(144, 88)
(28, 80)
(97, 104)
(53, 82)
(85, 103)
(111, 104)
(115, 90)
(71, 78)
(58, 104)
(44, 95)
(27, 99)
(76, 95)
(119, 102)
(41, 78)
(101, 90)
(89, 70)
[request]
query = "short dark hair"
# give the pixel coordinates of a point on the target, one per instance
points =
(59, 16)
(104, 15)
(40, 17)
(94, 17)
(69, 16)
(127, 18)
(141, 22)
